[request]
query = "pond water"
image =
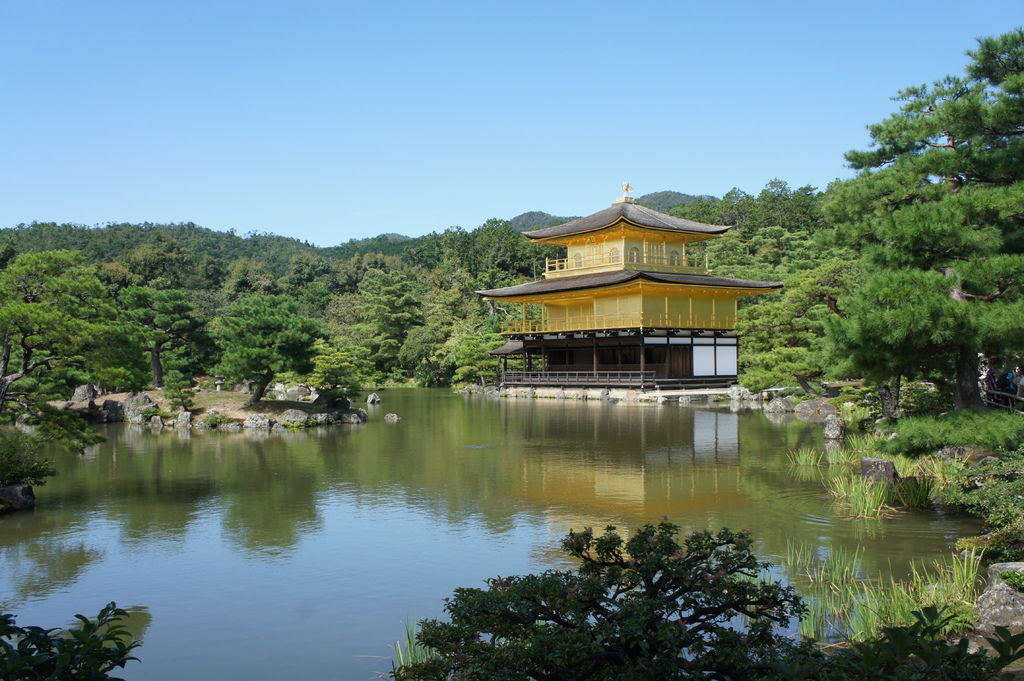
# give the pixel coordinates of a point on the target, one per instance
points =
(299, 555)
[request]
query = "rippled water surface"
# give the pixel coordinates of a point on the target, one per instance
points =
(297, 556)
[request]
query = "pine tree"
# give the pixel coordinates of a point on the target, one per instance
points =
(936, 212)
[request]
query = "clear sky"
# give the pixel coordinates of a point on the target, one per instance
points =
(328, 121)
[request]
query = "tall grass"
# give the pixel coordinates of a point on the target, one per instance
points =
(863, 497)
(806, 456)
(843, 604)
(413, 651)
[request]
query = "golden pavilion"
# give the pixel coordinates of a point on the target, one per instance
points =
(627, 306)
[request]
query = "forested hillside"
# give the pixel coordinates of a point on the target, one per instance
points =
(399, 307)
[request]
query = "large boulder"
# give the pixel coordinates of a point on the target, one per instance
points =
(113, 411)
(134, 405)
(814, 411)
(155, 422)
(84, 393)
(879, 470)
(321, 419)
(17, 497)
(230, 427)
(297, 393)
(835, 428)
(293, 417)
(184, 420)
(1000, 605)
(256, 422)
(392, 418)
(373, 398)
(351, 416)
(779, 405)
(737, 393)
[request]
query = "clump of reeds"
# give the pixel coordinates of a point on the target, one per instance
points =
(806, 456)
(413, 651)
(842, 603)
(913, 492)
(862, 443)
(863, 497)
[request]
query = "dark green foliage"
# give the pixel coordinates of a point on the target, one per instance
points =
(20, 462)
(925, 434)
(644, 608)
(340, 372)
(178, 390)
(89, 651)
(263, 335)
(918, 652)
(665, 201)
(932, 211)
(992, 491)
(169, 322)
(389, 308)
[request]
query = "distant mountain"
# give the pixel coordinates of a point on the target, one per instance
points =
(663, 201)
(535, 219)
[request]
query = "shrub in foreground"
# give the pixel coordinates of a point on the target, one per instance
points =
(650, 608)
(86, 652)
(646, 608)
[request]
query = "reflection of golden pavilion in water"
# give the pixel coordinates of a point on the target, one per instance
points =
(696, 477)
(627, 306)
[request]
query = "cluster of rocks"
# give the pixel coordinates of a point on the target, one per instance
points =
(288, 419)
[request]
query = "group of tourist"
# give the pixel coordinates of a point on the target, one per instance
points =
(1010, 381)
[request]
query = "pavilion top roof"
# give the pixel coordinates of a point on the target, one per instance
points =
(634, 213)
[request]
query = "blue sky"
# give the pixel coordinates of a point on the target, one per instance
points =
(328, 121)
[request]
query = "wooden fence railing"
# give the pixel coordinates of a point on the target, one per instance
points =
(1001, 400)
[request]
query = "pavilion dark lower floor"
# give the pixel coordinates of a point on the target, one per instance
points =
(681, 358)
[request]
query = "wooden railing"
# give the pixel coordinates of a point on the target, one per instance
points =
(689, 264)
(621, 321)
(1001, 400)
(630, 378)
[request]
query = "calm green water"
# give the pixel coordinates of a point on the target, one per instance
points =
(297, 556)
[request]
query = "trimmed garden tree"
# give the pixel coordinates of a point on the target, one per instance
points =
(936, 210)
(168, 318)
(264, 335)
(646, 608)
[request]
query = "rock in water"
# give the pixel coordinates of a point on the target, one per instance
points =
(256, 421)
(113, 411)
(835, 428)
(879, 470)
(293, 417)
(184, 420)
(1000, 605)
(17, 497)
(392, 418)
(321, 419)
(779, 405)
(230, 427)
(155, 422)
(373, 398)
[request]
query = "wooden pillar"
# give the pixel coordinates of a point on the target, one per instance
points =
(595, 355)
(643, 363)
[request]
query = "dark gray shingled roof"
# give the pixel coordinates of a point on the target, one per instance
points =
(584, 281)
(510, 348)
(633, 212)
